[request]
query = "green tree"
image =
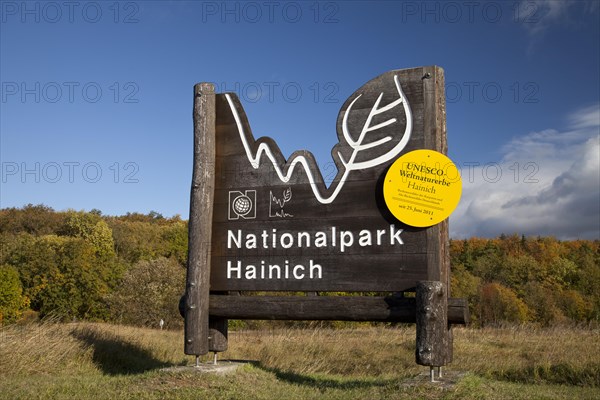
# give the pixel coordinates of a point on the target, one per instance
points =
(136, 240)
(464, 284)
(91, 228)
(12, 300)
(175, 238)
(517, 271)
(35, 259)
(487, 267)
(543, 301)
(65, 275)
(563, 272)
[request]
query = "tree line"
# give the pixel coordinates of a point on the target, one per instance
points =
(527, 279)
(130, 269)
(80, 265)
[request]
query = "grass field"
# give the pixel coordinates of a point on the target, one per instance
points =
(102, 361)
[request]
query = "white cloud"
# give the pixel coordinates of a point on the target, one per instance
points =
(586, 118)
(538, 15)
(549, 184)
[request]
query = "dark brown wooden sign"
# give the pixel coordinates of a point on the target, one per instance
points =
(278, 226)
(259, 222)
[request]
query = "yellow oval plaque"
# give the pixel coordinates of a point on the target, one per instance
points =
(422, 188)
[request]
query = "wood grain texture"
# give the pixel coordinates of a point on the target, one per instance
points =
(200, 222)
(328, 308)
(217, 336)
(432, 324)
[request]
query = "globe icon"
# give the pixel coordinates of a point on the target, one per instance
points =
(242, 205)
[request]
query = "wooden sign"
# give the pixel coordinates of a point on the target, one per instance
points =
(259, 222)
(278, 226)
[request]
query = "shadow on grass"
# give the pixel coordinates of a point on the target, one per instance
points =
(324, 383)
(115, 356)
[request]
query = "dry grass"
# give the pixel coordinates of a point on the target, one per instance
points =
(528, 354)
(348, 352)
(87, 360)
(43, 348)
(52, 348)
(520, 354)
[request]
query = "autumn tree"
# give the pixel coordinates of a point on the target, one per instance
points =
(500, 304)
(32, 219)
(73, 262)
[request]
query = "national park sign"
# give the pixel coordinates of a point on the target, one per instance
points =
(278, 226)
(259, 222)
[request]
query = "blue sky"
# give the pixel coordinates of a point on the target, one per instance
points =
(96, 97)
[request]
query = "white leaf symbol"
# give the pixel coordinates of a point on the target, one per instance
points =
(358, 146)
(285, 172)
(287, 195)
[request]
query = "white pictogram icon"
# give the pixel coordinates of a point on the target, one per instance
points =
(242, 204)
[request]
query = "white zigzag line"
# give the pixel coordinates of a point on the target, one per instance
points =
(264, 147)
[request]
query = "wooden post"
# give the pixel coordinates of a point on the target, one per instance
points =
(200, 222)
(217, 340)
(436, 139)
(218, 328)
(432, 324)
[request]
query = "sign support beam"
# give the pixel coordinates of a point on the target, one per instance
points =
(200, 222)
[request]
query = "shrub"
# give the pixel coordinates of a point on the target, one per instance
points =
(150, 291)
(12, 300)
